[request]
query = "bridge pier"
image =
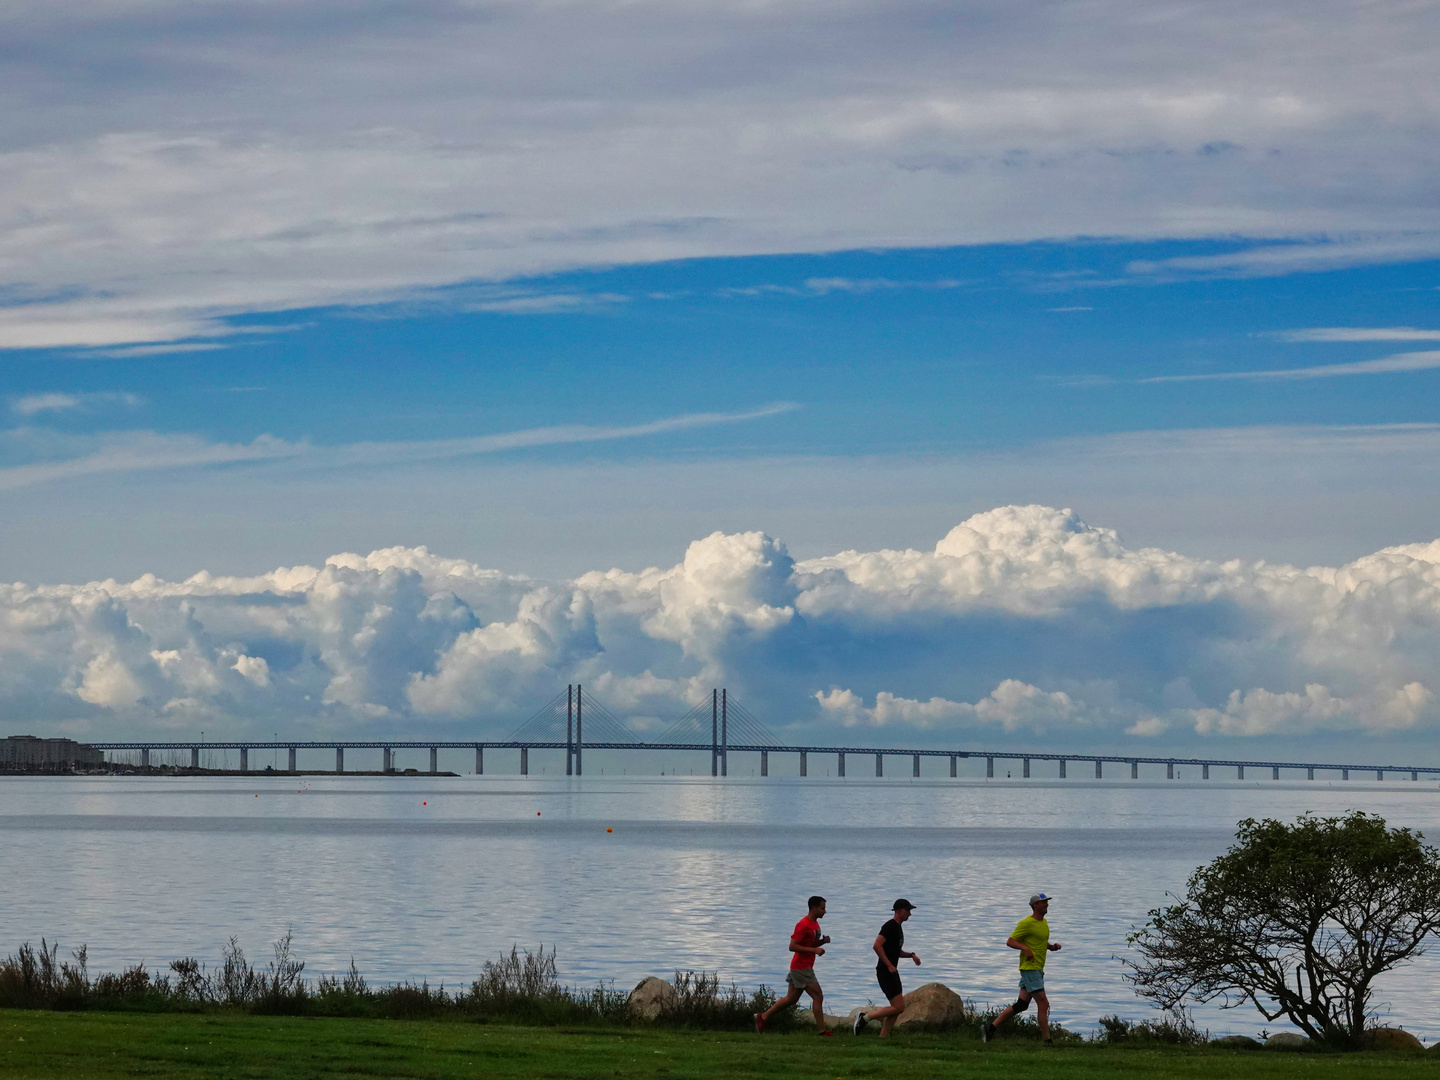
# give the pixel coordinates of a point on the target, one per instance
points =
(339, 759)
(840, 763)
(804, 764)
(879, 765)
(1309, 774)
(764, 762)
(244, 759)
(1026, 763)
(292, 759)
(194, 757)
(1169, 770)
(1134, 770)
(434, 760)
(952, 766)
(387, 759)
(1379, 774)
(1204, 772)
(1275, 772)
(989, 768)
(145, 757)
(1414, 775)
(1239, 772)
(1344, 774)
(915, 766)
(479, 761)
(524, 761)
(1097, 769)
(1062, 768)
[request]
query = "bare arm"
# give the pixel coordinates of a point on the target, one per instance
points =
(1015, 943)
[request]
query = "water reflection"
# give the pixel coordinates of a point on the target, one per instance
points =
(421, 878)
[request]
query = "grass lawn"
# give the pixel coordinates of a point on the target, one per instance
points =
(79, 1045)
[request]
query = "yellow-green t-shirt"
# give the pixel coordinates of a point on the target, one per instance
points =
(1036, 934)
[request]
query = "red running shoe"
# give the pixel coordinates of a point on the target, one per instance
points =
(827, 1034)
(759, 1024)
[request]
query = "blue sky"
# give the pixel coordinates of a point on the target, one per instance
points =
(1141, 303)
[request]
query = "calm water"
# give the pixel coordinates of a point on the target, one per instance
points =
(421, 878)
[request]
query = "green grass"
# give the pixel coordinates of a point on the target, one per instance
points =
(160, 1045)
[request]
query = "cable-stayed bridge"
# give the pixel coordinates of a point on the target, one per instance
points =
(574, 721)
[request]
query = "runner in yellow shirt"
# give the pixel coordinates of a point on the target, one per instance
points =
(1032, 938)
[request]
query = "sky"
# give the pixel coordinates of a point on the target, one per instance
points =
(1049, 373)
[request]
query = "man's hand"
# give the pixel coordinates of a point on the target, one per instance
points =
(1029, 955)
(1054, 948)
(819, 952)
(916, 958)
(825, 940)
(893, 969)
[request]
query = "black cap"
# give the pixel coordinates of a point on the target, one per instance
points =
(898, 904)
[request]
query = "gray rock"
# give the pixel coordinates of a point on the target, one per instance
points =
(649, 999)
(1287, 1040)
(805, 1017)
(1391, 1038)
(1237, 1042)
(933, 1007)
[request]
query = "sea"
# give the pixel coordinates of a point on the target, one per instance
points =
(426, 878)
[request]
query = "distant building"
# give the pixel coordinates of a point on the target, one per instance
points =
(30, 752)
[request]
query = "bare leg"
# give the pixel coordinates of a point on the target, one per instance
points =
(818, 1004)
(1042, 1006)
(887, 1013)
(791, 996)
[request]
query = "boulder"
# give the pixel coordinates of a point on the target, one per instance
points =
(1236, 1042)
(1389, 1038)
(651, 998)
(1287, 1040)
(805, 1017)
(932, 1007)
(872, 1027)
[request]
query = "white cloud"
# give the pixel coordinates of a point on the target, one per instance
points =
(1011, 705)
(201, 182)
(34, 404)
(1385, 365)
(1361, 333)
(1023, 619)
(140, 451)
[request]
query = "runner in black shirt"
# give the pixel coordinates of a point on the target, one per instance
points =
(889, 947)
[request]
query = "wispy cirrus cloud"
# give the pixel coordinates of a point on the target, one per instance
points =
(128, 452)
(35, 404)
(1385, 365)
(1359, 334)
(648, 132)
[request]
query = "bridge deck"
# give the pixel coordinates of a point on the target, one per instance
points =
(879, 751)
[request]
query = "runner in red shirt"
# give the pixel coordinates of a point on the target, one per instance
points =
(806, 943)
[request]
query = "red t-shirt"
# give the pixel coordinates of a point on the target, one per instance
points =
(807, 932)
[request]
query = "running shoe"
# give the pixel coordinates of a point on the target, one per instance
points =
(859, 1024)
(827, 1033)
(759, 1024)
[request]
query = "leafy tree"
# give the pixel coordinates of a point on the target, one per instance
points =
(1297, 919)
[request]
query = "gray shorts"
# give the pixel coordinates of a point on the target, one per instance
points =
(1032, 982)
(800, 978)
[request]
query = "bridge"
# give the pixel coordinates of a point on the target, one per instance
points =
(546, 730)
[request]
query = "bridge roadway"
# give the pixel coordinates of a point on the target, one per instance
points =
(719, 756)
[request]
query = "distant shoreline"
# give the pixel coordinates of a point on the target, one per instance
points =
(155, 770)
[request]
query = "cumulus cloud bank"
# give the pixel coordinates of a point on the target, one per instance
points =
(1023, 619)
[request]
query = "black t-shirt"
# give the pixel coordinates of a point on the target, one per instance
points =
(894, 942)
